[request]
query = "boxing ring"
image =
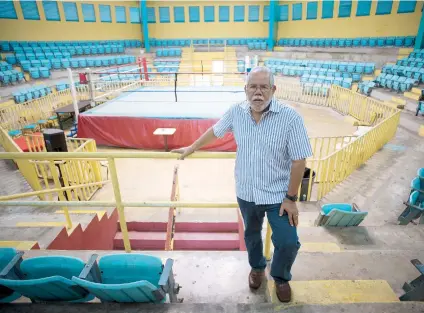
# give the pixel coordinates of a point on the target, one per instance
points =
(130, 119)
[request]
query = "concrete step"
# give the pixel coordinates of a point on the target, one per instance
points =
(377, 238)
(182, 241)
(396, 307)
(44, 220)
(42, 235)
(411, 95)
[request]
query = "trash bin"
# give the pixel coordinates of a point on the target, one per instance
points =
(305, 184)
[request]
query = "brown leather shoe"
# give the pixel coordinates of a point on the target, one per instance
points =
(283, 292)
(255, 279)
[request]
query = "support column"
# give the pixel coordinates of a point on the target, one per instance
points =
(145, 27)
(273, 24)
(419, 40)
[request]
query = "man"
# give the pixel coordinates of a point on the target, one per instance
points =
(272, 145)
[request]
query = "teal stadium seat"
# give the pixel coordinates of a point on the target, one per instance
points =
(48, 279)
(340, 215)
(10, 260)
(130, 278)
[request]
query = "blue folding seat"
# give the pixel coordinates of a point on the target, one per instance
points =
(331, 73)
(90, 62)
(314, 71)
(343, 66)
(356, 77)
(338, 81)
(106, 62)
(35, 63)
(131, 278)
(251, 45)
(86, 49)
(44, 72)
(347, 83)
(365, 42)
(359, 68)
(114, 49)
(48, 279)
(304, 78)
(19, 97)
(340, 215)
(34, 72)
(159, 52)
(369, 68)
(100, 49)
(171, 52)
(5, 46)
(119, 60)
(320, 79)
(120, 49)
(65, 63)
(30, 56)
(334, 42)
(74, 63)
(82, 62)
(399, 41)
(93, 49)
(342, 42)
(98, 62)
(390, 41)
(20, 76)
(389, 83)
(381, 42)
(263, 45)
(328, 80)
(385, 79)
(409, 41)
(322, 71)
(79, 50)
(11, 59)
(327, 42)
(346, 75)
(257, 45)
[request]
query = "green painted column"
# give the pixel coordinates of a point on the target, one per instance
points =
(144, 25)
(272, 25)
(419, 40)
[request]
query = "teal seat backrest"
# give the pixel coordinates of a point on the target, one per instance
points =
(326, 209)
(6, 255)
(46, 266)
(127, 268)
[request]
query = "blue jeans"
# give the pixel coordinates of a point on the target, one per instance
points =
(284, 237)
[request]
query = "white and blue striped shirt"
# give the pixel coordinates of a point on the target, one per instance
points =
(265, 150)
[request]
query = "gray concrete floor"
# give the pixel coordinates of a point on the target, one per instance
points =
(400, 307)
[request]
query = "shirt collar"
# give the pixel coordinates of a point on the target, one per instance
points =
(274, 107)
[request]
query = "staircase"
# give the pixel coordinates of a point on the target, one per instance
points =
(414, 94)
(188, 236)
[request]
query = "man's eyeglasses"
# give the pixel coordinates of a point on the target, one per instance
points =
(263, 88)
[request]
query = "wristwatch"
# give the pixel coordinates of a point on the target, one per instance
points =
(292, 198)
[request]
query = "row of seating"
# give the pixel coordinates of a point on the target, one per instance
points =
(11, 77)
(316, 89)
(418, 53)
(352, 67)
(168, 52)
(66, 52)
(79, 62)
(329, 80)
(121, 77)
(12, 45)
(257, 45)
(30, 93)
(415, 204)
(413, 62)
(39, 72)
(395, 82)
(131, 277)
(400, 41)
(415, 73)
(366, 87)
(301, 71)
(203, 42)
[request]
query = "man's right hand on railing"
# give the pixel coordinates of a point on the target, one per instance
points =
(185, 152)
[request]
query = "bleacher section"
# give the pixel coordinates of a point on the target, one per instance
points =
(395, 82)
(8, 75)
(166, 66)
(323, 72)
(123, 73)
(366, 87)
(30, 93)
(14, 46)
(168, 52)
(348, 42)
(250, 42)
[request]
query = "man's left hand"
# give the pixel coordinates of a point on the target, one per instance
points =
(291, 208)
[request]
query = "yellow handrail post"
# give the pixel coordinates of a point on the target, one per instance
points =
(119, 206)
(60, 193)
(268, 242)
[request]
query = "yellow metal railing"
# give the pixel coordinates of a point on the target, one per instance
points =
(335, 158)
